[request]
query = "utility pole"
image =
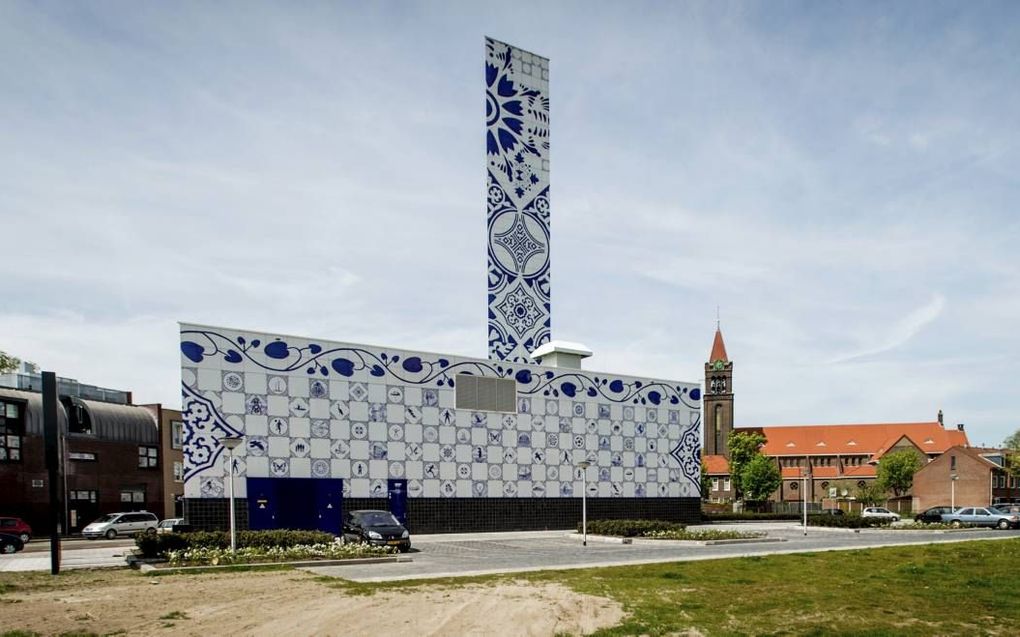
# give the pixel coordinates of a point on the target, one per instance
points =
(51, 435)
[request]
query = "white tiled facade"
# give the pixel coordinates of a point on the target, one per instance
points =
(318, 409)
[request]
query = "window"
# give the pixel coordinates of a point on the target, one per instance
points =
(148, 457)
(82, 455)
(952, 463)
(178, 472)
(726, 484)
(176, 434)
(78, 419)
(12, 428)
(794, 486)
(486, 394)
(715, 484)
(132, 495)
(83, 496)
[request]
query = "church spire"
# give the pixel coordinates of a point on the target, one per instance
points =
(718, 348)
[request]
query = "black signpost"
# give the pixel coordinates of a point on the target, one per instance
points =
(51, 431)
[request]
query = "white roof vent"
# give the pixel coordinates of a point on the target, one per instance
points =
(561, 354)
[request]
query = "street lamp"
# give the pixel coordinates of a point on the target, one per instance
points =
(952, 490)
(231, 442)
(584, 464)
(806, 474)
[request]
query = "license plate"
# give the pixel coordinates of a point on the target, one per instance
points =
(394, 542)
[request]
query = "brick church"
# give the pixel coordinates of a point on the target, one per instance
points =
(838, 457)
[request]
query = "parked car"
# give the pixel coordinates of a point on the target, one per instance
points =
(114, 524)
(981, 516)
(880, 512)
(378, 528)
(1007, 508)
(169, 525)
(833, 511)
(932, 515)
(10, 543)
(16, 526)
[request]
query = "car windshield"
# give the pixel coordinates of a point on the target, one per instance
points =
(109, 517)
(380, 518)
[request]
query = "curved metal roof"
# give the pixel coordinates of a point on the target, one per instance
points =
(111, 422)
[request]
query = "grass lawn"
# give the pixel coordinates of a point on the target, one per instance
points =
(966, 588)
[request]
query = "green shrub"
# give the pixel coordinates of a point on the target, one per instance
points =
(630, 528)
(153, 546)
(845, 521)
(747, 515)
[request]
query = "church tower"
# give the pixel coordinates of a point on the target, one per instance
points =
(718, 412)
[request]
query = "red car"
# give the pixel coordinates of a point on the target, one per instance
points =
(16, 526)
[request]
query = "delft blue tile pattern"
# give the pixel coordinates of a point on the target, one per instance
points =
(517, 151)
(312, 408)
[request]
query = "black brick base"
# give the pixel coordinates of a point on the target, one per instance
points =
(453, 515)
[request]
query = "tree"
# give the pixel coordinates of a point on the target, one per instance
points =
(896, 471)
(760, 478)
(744, 446)
(1012, 445)
(871, 494)
(8, 363)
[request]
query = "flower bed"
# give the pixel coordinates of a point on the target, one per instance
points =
(254, 554)
(659, 530)
(921, 526)
(846, 521)
(630, 528)
(702, 536)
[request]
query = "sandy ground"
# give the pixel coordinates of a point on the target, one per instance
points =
(294, 603)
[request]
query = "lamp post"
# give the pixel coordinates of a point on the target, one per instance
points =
(952, 491)
(584, 464)
(806, 474)
(231, 442)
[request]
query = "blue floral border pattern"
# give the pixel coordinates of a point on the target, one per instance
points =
(687, 452)
(204, 426)
(517, 150)
(347, 361)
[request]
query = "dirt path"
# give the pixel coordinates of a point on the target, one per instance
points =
(294, 603)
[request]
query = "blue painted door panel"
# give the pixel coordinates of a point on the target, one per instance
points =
(397, 495)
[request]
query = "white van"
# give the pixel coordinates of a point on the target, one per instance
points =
(113, 524)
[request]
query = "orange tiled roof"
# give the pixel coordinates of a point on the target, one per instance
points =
(718, 348)
(716, 464)
(861, 471)
(862, 439)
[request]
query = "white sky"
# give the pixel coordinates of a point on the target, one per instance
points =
(841, 178)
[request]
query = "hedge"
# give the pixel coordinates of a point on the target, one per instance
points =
(630, 528)
(152, 546)
(845, 521)
(748, 515)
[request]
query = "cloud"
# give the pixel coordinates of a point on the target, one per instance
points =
(901, 332)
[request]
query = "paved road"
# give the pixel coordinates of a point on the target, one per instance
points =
(463, 555)
(74, 554)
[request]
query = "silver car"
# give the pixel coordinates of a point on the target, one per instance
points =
(113, 524)
(981, 516)
(881, 513)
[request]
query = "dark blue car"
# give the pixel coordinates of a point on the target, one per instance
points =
(10, 543)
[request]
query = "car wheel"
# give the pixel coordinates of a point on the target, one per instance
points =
(25, 537)
(9, 548)
(956, 524)
(1003, 524)
(151, 530)
(111, 534)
